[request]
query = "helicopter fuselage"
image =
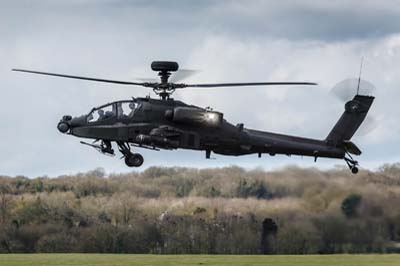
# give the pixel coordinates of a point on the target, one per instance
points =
(170, 124)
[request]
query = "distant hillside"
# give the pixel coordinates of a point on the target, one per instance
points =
(222, 210)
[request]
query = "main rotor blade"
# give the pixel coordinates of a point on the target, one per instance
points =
(145, 84)
(182, 74)
(147, 79)
(211, 85)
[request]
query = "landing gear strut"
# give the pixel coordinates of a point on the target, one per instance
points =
(131, 159)
(351, 163)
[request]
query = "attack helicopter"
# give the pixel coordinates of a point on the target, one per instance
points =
(166, 123)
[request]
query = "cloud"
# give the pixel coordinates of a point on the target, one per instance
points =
(227, 41)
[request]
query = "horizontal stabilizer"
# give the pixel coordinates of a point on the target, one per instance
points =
(351, 148)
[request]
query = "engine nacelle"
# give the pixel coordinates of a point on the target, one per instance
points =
(194, 116)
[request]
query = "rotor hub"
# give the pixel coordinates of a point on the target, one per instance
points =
(164, 89)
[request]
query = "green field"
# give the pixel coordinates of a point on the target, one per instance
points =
(169, 260)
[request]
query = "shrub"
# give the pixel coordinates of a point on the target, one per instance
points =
(350, 205)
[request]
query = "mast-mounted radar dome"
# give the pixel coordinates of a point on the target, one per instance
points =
(164, 66)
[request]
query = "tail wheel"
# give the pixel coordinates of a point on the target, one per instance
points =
(351, 163)
(354, 169)
(134, 160)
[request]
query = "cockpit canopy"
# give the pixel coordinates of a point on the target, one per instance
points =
(120, 110)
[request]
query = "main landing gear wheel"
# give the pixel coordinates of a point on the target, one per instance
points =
(351, 163)
(131, 159)
(134, 160)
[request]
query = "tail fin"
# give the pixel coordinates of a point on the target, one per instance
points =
(355, 112)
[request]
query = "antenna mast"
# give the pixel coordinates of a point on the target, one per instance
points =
(359, 76)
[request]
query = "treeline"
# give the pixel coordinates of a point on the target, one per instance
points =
(216, 211)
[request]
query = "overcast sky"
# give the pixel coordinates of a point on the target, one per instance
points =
(321, 41)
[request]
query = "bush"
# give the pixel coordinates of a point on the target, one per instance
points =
(255, 189)
(57, 243)
(299, 238)
(217, 211)
(350, 205)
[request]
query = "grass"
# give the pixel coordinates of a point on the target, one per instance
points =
(189, 260)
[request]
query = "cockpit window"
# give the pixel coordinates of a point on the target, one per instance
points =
(126, 109)
(102, 113)
(123, 110)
